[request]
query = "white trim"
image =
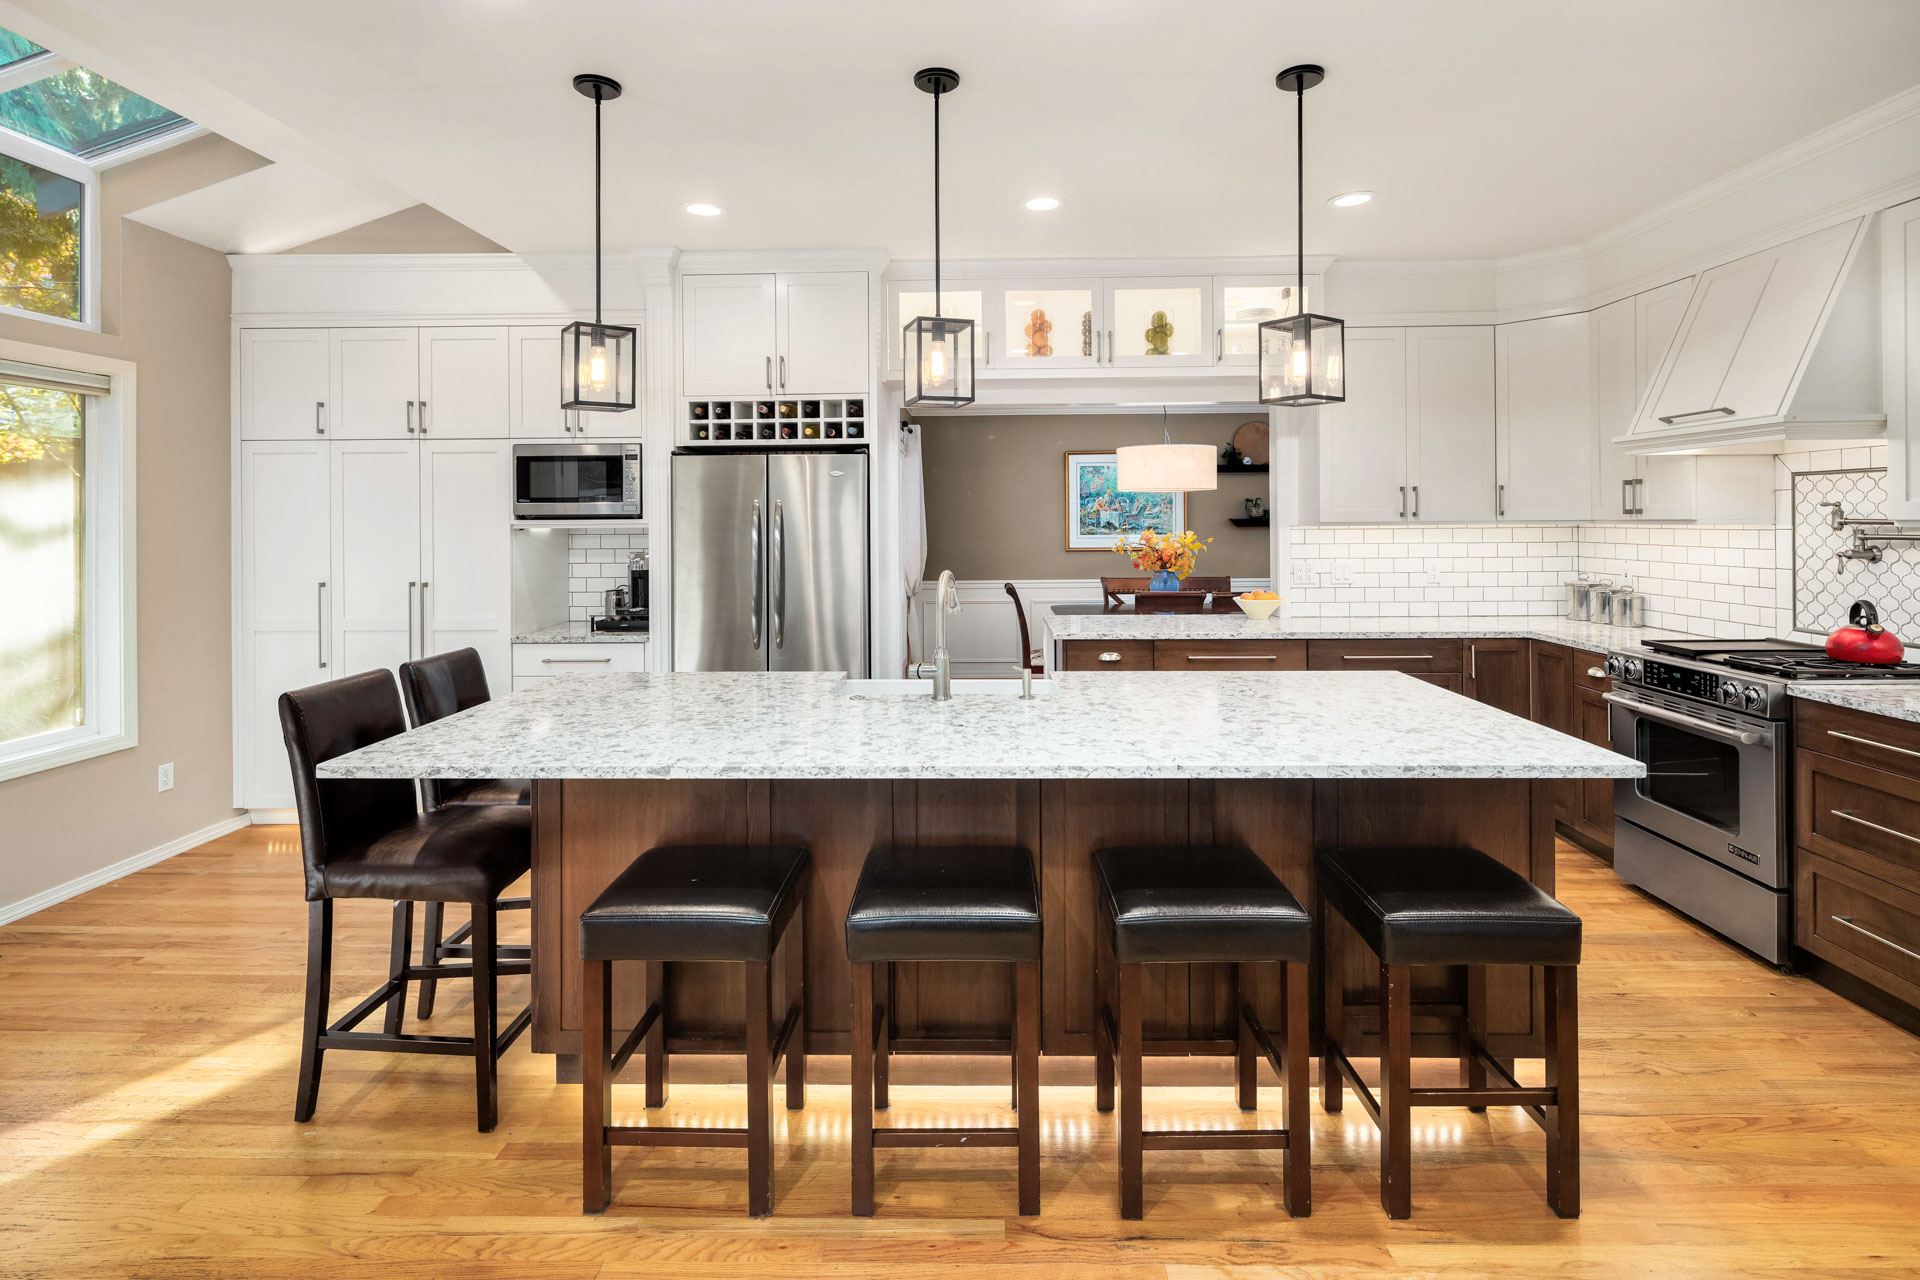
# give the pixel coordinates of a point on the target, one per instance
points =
(12, 911)
(149, 144)
(272, 817)
(20, 147)
(34, 68)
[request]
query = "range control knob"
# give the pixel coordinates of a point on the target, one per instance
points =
(1730, 694)
(1633, 668)
(1615, 667)
(1754, 696)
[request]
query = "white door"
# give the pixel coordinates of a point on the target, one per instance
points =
(533, 383)
(1362, 441)
(1615, 345)
(376, 383)
(1900, 355)
(1158, 322)
(376, 554)
(727, 333)
(464, 383)
(464, 597)
(826, 341)
(1546, 419)
(1667, 485)
(1450, 436)
(285, 578)
(283, 384)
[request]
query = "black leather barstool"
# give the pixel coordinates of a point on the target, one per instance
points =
(435, 688)
(1454, 907)
(944, 904)
(694, 902)
(364, 838)
(1184, 904)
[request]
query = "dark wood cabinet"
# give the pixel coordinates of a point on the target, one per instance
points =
(1108, 655)
(1412, 654)
(1593, 817)
(1499, 673)
(1230, 655)
(1553, 707)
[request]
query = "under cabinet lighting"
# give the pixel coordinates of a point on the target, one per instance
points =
(705, 210)
(1040, 204)
(1350, 199)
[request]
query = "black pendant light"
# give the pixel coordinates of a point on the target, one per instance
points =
(597, 360)
(938, 350)
(1303, 357)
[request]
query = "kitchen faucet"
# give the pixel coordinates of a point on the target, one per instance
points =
(946, 600)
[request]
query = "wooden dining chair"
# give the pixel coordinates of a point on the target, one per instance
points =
(1031, 658)
(1113, 588)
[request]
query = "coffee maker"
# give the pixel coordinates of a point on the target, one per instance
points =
(626, 607)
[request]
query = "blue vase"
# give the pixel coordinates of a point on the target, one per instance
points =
(1164, 580)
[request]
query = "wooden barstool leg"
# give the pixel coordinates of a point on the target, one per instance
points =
(1013, 1058)
(430, 926)
(1132, 1140)
(319, 984)
(796, 1053)
(655, 1043)
(1333, 1091)
(1026, 1056)
(1105, 1006)
(883, 1044)
(399, 955)
(1563, 1076)
(1299, 1184)
(759, 981)
(863, 1090)
(1396, 1074)
(486, 995)
(1473, 1029)
(596, 1086)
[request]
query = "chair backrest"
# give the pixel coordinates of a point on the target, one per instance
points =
(1114, 588)
(435, 688)
(1020, 612)
(338, 815)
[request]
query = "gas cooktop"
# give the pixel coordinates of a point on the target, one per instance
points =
(1781, 659)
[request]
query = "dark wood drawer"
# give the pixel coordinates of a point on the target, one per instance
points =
(1879, 741)
(1585, 663)
(1108, 655)
(1451, 683)
(1412, 654)
(1230, 655)
(1866, 818)
(1865, 926)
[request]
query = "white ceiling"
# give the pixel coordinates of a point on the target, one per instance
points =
(1488, 127)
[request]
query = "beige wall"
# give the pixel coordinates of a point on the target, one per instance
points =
(997, 496)
(165, 305)
(418, 229)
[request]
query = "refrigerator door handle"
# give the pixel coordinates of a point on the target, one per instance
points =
(779, 575)
(759, 572)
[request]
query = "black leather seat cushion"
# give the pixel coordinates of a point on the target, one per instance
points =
(1173, 903)
(1447, 906)
(696, 902)
(464, 854)
(945, 903)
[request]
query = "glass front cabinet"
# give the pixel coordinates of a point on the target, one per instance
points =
(1053, 324)
(1158, 322)
(1241, 304)
(959, 300)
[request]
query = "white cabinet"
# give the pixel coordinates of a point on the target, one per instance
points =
(803, 332)
(283, 384)
(376, 383)
(1545, 419)
(1045, 324)
(1158, 322)
(825, 342)
(727, 334)
(970, 301)
(1450, 423)
(533, 383)
(535, 664)
(285, 576)
(1630, 338)
(463, 382)
(1241, 304)
(1900, 355)
(465, 596)
(1360, 444)
(376, 553)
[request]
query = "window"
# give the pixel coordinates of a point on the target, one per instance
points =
(66, 644)
(82, 113)
(40, 233)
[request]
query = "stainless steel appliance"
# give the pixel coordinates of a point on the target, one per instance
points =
(1708, 830)
(566, 481)
(625, 608)
(770, 561)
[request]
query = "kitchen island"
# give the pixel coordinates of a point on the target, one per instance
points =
(1281, 763)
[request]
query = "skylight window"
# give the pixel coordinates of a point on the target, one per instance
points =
(14, 48)
(83, 113)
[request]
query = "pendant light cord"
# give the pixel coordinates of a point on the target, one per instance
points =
(1300, 189)
(597, 318)
(936, 204)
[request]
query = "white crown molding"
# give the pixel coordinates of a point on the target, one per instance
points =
(723, 261)
(969, 270)
(295, 263)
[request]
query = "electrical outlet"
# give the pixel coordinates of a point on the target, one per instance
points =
(1303, 575)
(1343, 573)
(166, 776)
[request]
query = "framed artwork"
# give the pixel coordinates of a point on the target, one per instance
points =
(1099, 511)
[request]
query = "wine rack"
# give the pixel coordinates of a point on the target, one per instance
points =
(783, 421)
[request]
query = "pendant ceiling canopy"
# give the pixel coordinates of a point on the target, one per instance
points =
(1302, 356)
(597, 360)
(938, 350)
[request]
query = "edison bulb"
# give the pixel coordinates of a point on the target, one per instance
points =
(1297, 367)
(936, 364)
(593, 370)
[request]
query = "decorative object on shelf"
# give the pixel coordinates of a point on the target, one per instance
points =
(1170, 557)
(938, 350)
(1256, 508)
(1167, 467)
(1039, 334)
(1302, 356)
(1159, 335)
(597, 360)
(1099, 510)
(1086, 333)
(1250, 442)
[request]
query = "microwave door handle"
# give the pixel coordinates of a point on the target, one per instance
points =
(779, 575)
(759, 571)
(1734, 737)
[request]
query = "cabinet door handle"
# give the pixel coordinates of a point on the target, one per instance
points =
(783, 373)
(573, 662)
(1597, 673)
(409, 417)
(1219, 345)
(1626, 497)
(1109, 657)
(319, 411)
(1500, 501)
(1232, 657)
(1403, 502)
(986, 349)
(423, 417)
(1386, 657)
(1873, 826)
(1113, 352)
(769, 373)
(1098, 348)
(1885, 942)
(320, 631)
(1416, 502)
(1869, 742)
(423, 619)
(1671, 418)
(410, 615)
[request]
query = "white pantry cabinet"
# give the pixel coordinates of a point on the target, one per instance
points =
(1545, 420)
(464, 382)
(283, 384)
(802, 332)
(376, 553)
(376, 383)
(1359, 447)
(466, 489)
(1900, 355)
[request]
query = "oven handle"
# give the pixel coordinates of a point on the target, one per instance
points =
(1738, 737)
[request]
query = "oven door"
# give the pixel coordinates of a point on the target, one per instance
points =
(567, 480)
(1715, 784)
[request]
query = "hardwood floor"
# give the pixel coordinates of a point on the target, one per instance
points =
(1736, 1123)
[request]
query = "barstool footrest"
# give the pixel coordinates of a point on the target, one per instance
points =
(1215, 1140)
(1265, 1041)
(947, 1136)
(677, 1135)
(624, 1054)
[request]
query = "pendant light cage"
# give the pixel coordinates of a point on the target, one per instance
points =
(1303, 357)
(598, 361)
(938, 349)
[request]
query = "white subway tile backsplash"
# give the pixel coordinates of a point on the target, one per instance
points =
(596, 563)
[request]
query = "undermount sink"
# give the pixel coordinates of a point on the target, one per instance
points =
(924, 688)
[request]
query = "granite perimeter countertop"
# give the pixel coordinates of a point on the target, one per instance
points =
(1899, 699)
(579, 633)
(1141, 724)
(1126, 625)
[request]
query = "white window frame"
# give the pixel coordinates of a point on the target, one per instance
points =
(110, 657)
(54, 160)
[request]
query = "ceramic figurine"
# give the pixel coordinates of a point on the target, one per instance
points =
(1159, 335)
(1039, 334)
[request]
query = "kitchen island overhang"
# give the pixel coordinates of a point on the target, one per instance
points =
(1282, 763)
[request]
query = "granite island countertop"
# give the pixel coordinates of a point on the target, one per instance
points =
(1899, 699)
(578, 633)
(1237, 626)
(1144, 724)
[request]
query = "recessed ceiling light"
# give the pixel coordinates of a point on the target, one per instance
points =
(1350, 199)
(705, 210)
(1040, 204)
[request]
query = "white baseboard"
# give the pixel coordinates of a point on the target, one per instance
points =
(11, 911)
(272, 817)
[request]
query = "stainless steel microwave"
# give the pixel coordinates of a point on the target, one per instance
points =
(567, 481)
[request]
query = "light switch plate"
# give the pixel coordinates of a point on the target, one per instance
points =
(166, 776)
(1433, 577)
(1343, 573)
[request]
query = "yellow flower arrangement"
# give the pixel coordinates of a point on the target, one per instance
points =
(1175, 554)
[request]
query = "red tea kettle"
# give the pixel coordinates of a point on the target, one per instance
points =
(1864, 640)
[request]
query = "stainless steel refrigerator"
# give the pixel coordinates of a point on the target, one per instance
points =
(770, 561)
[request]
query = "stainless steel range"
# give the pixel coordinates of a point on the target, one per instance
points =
(1709, 830)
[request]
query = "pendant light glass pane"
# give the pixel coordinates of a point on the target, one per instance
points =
(1303, 360)
(939, 360)
(597, 366)
(1167, 468)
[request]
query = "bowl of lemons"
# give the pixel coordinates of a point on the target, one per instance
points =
(1258, 605)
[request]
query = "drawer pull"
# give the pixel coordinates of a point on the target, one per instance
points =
(1598, 673)
(568, 662)
(1109, 657)
(1386, 657)
(1872, 826)
(1233, 657)
(1885, 942)
(1869, 742)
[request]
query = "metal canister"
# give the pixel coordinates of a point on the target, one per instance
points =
(1637, 609)
(1600, 602)
(1578, 589)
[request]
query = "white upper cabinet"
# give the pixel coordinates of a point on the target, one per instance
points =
(1158, 322)
(1050, 324)
(1615, 338)
(727, 329)
(825, 341)
(797, 333)
(464, 595)
(1900, 355)
(533, 383)
(1241, 304)
(1545, 419)
(914, 298)
(464, 382)
(283, 384)
(1358, 449)
(376, 383)
(1450, 423)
